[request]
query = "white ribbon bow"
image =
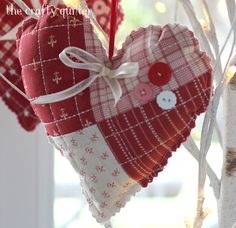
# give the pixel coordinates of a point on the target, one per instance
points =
(89, 62)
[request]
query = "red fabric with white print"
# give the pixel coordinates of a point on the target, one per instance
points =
(9, 63)
(153, 116)
(10, 68)
(102, 11)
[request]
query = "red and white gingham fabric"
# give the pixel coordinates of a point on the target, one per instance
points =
(10, 67)
(115, 150)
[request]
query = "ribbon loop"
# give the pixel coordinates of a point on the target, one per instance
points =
(87, 61)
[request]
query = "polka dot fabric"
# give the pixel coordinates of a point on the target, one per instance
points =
(102, 10)
(116, 150)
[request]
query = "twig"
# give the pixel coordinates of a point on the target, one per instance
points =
(108, 225)
(188, 7)
(231, 7)
(211, 33)
(191, 146)
(176, 10)
(219, 134)
(210, 117)
(207, 132)
(213, 107)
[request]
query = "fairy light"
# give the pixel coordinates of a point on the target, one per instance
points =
(231, 73)
(160, 7)
(205, 25)
(72, 3)
(206, 15)
(188, 222)
(206, 212)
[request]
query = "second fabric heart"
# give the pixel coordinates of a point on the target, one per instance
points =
(116, 150)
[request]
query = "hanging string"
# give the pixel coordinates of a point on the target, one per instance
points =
(14, 87)
(113, 23)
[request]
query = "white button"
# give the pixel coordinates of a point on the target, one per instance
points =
(166, 100)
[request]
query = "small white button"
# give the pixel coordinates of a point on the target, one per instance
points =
(166, 100)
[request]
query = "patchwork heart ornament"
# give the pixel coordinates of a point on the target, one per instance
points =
(119, 121)
(11, 69)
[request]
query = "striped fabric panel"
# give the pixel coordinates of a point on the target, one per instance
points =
(142, 139)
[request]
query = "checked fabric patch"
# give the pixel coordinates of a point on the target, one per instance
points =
(159, 78)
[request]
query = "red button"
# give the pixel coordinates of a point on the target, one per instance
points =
(159, 74)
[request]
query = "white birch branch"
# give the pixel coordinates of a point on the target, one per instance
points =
(210, 117)
(211, 32)
(227, 202)
(231, 8)
(188, 7)
(207, 132)
(219, 134)
(176, 10)
(191, 146)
